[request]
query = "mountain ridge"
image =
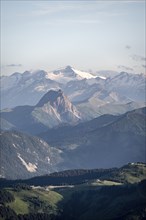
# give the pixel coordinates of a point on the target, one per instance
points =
(53, 109)
(87, 144)
(107, 141)
(29, 87)
(79, 176)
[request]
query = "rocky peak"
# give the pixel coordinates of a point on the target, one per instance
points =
(51, 96)
(55, 102)
(67, 71)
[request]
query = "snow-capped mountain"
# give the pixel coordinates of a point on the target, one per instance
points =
(53, 109)
(28, 87)
(97, 93)
(68, 73)
(107, 73)
(130, 85)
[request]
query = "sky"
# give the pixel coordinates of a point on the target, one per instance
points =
(88, 35)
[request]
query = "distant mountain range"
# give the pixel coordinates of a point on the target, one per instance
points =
(29, 87)
(98, 93)
(55, 109)
(107, 141)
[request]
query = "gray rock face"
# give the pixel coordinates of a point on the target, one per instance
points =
(52, 110)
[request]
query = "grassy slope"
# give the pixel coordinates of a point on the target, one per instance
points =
(130, 173)
(82, 202)
(19, 206)
(104, 183)
(27, 201)
(23, 203)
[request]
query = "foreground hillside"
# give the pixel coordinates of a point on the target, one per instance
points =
(118, 194)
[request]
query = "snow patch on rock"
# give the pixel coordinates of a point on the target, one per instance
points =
(14, 145)
(30, 167)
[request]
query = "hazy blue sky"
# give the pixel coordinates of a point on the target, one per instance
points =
(84, 34)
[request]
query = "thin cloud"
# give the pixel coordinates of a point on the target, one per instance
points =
(51, 8)
(128, 47)
(138, 58)
(72, 21)
(125, 68)
(98, 8)
(14, 65)
(82, 21)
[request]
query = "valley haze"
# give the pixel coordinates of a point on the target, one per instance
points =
(70, 119)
